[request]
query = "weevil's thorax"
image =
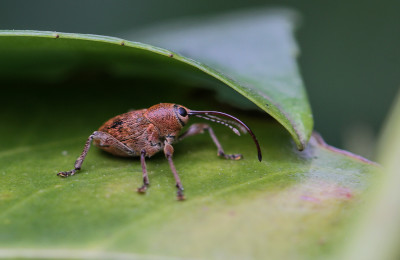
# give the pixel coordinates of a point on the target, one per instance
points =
(167, 118)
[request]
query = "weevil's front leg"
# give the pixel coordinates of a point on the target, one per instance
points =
(169, 151)
(146, 182)
(199, 129)
(104, 140)
(81, 158)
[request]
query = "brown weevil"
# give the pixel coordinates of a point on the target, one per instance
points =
(145, 132)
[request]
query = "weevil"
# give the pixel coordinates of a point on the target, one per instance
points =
(145, 132)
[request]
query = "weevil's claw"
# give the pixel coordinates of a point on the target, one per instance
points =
(235, 156)
(230, 156)
(142, 189)
(180, 196)
(66, 174)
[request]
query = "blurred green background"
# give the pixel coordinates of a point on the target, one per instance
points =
(349, 60)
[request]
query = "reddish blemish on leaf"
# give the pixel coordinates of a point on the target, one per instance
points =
(321, 191)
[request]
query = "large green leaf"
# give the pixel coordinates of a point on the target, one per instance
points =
(292, 204)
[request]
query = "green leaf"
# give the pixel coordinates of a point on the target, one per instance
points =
(292, 204)
(377, 235)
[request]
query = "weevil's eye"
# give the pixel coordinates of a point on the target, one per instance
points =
(182, 111)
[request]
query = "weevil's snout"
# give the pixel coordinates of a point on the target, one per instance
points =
(211, 115)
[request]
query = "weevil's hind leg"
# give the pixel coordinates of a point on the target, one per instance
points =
(105, 140)
(199, 129)
(169, 151)
(146, 182)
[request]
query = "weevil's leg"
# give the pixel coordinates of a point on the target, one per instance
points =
(199, 129)
(81, 158)
(146, 182)
(105, 140)
(169, 151)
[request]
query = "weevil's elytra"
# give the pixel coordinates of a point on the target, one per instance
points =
(117, 123)
(145, 132)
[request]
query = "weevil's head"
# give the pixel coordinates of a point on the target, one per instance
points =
(171, 118)
(168, 118)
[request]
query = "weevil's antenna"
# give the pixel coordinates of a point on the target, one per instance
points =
(220, 121)
(216, 113)
(229, 122)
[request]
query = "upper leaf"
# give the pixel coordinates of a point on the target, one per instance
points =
(253, 53)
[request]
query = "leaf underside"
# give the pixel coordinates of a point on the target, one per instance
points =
(254, 52)
(259, 62)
